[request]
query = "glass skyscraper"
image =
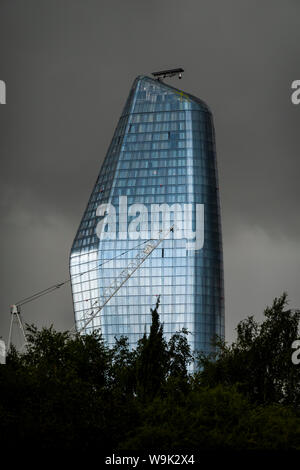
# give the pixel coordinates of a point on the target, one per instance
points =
(162, 156)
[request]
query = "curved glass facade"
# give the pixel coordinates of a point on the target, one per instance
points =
(162, 153)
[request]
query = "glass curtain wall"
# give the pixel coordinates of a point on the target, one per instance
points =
(162, 152)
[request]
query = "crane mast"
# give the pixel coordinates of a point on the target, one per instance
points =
(108, 292)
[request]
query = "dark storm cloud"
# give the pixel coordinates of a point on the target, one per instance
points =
(69, 65)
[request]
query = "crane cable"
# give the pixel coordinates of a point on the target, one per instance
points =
(54, 287)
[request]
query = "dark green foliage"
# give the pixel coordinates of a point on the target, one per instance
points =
(260, 359)
(53, 394)
(152, 363)
(216, 418)
(75, 393)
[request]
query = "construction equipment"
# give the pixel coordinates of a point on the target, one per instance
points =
(108, 292)
(16, 317)
(168, 73)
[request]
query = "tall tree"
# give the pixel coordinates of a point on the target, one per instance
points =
(152, 359)
(260, 359)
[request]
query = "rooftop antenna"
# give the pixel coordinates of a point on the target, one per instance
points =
(168, 73)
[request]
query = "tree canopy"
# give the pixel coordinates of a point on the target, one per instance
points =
(71, 392)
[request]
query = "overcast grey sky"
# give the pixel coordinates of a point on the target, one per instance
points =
(68, 66)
